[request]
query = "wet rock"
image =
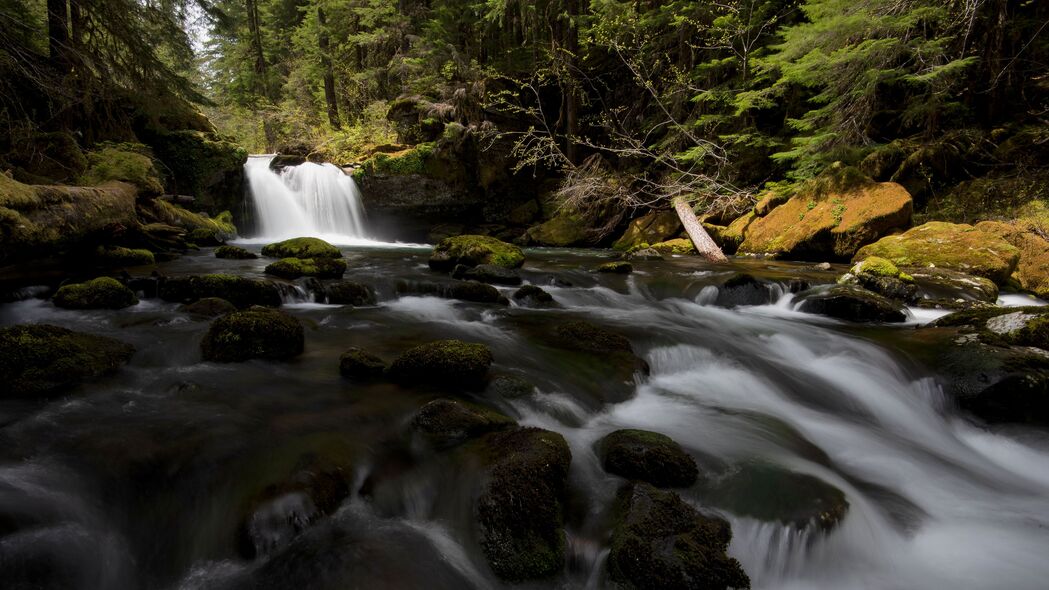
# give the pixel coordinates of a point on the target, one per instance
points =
(618, 267)
(204, 237)
(256, 333)
(357, 363)
(647, 456)
(119, 256)
(349, 293)
(473, 250)
(321, 268)
(445, 423)
(520, 510)
(234, 253)
(100, 293)
(1027, 235)
(651, 228)
(769, 493)
(643, 254)
(282, 161)
(209, 307)
(533, 295)
(848, 302)
(679, 246)
(744, 289)
(882, 277)
(487, 273)
(940, 283)
(443, 363)
(476, 292)
(509, 387)
(40, 359)
(240, 291)
(301, 248)
(660, 542)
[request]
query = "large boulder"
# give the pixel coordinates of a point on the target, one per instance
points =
(100, 293)
(473, 250)
(647, 456)
(953, 246)
(133, 167)
(563, 230)
(445, 423)
(533, 295)
(882, 277)
(201, 228)
(650, 228)
(205, 165)
(830, 218)
(240, 291)
(443, 364)
(1032, 270)
(321, 268)
(39, 359)
(348, 293)
(301, 248)
(662, 543)
(852, 303)
(679, 246)
(943, 285)
(255, 333)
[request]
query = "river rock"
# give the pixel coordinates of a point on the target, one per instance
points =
(444, 364)
(348, 293)
(204, 237)
(321, 268)
(852, 303)
(234, 253)
(39, 359)
(520, 509)
(647, 456)
(473, 250)
(256, 333)
(940, 284)
(744, 289)
(648, 253)
(100, 293)
(509, 387)
(209, 307)
(487, 273)
(240, 291)
(301, 248)
(680, 246)
(882, 277)
(650, 228)
(1032, 270)
(618, 267)
(953, 246)
(533, 295)
(445, 423)
(357, 363)
(661, 542)
(116, 256)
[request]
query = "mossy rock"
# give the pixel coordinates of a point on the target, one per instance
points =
(770, 201)
(234, 253)
(586, 337)
(533, 295)
(39, 359)
(952, 246)
(443, 364)
(1032, 270)
(509, 387)
(100, 293)
(852, 303)
(114, 163)
(473, 250)
(349, 293)
(301, 248)
(200, 226)
(205, 165)
(645, 253)
(943, 284)
(564, 230)
(520, 510)
(734, 234)
(680, 246)
(445, 423)
(745, 289)
(618, 267)
(204, 237)
(487, 273)
(256, 333)
(660, 542)
(240, 291)
(52, 157)
(882, 277)
(357, 363)
(647, 456)
(208, 307)
(322, 268)
(650, 228)
(120, 256)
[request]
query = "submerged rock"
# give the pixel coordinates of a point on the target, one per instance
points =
(647, 456)
(618, 267)
(256, 333)
(509, 387)
(321, 268)
(40, 359)
(100, 293)
(349, 293)
(882, 277)
(463, 290)
(533, 295)
(474, 250)
(210, 307)
(301, 248)
(357, 363)
(487, 273)
(445, 423)
(744, 289)
(443, 363)
(660, 542)
(240, 291)
(848, 302)
(234, 253)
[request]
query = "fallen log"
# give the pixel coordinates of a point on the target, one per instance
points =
(705, 245)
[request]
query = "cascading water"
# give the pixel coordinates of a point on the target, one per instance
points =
(317, 200)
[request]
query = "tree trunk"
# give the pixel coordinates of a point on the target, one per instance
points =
(704, 244)
(572, 98)
(329, 73)
(57, 31)
(254, 29)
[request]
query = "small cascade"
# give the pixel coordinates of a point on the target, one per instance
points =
(317, 200)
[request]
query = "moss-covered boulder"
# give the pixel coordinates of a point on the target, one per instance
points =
(240, 291)
(234, 253)
(952, 246)
(125, 164)
(38, 360)
(114, 256)
(650, 228)
(520, 510)
(1032, 270)
(770, 201)
(533, 295)
(357, 363)
(852, 303)
(255, 333)
(322, 268)
(301, 248)
(443, 364)
(100, 293)
(830, 218)
(647, 456)
(509, 387)
(563, 230)
(679, 246)
(644, 253)
(206, 165)
(883, 277)
(734, 233)
(52, 157)
(487, 273)
(445, 423)
(660, 542)
(208, 307)
(348, 293)
(473, 250)
(201, 228)
(204, 237)
(618, 267)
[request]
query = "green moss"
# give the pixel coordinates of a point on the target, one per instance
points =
(565, 229)
(234, 253)
(221, 226)
(240, 291)
(302, 248)
(113, 163)
(877, 266)
(618, 267)
(204, 165)
(293, 268)
(675, 246)
(39, 359)
(360, 364)
(472, 250)
(119, 256)
(100, 293)
(444, 364)
(647, 456)
(411, 161)
(257, 333)
(445, 423)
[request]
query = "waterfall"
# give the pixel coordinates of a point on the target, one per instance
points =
(317, 200)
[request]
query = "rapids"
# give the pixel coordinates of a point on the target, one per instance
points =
(140, 480)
